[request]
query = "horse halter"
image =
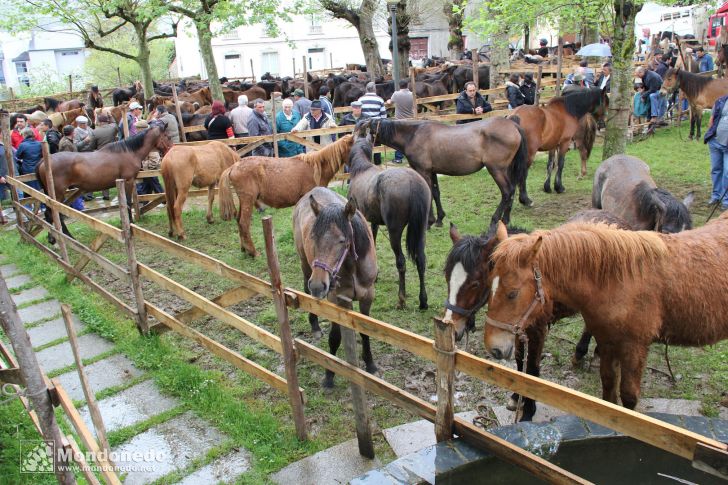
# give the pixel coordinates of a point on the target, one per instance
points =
(465, 312)
(334, 272)
(517, 328)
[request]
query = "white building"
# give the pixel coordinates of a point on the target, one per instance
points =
(39, 54)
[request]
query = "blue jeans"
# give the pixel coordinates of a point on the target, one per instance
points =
(658, 105)
(718, 170)
(398, 155)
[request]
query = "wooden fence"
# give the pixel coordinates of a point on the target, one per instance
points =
(705, 453)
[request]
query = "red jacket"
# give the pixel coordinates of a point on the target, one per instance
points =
(16, 138)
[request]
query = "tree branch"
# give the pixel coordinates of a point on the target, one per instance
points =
(167, 35)
(340, 11)
(92, 45)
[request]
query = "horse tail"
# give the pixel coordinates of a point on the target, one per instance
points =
(518, 170)
(170, 187)
(590, 134)
(419, 208)
(227, 204)
(39, 178)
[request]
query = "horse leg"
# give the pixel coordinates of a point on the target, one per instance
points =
(395, 241)
(512, 404)
(210, 200)
(179, 203)
(428, 178)
(632, 362)
(246, 214)
(692, 126)
(365, 305)
(334, 342)
(312, 317)
(375, 231)
(421, 263)
(582, 348)
(609, 372)
(49, 219)
(129, 187)
(698, 124)
(558, 185)
(536, 339)
(549, 168)
(503, 211)
(436, 196)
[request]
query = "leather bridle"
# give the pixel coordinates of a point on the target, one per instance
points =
(517, 328)
(334, 272)
(465, 312)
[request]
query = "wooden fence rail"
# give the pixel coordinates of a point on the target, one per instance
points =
(447, 358)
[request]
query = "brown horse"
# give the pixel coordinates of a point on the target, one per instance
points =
(201, 166)
(624, 187)
(338, 260)
(632, 288)
(92, 171)
(552, 127)
(277, 182)
(701, 92)
(66, 117)
(201, 97)
(435, 148)
(57, 106)
(116, 112)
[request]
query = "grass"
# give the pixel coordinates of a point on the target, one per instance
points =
(258, 418)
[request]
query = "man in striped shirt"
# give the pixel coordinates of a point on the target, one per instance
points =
(372, 106)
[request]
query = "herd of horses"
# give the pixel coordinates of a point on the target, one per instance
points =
(631, 265)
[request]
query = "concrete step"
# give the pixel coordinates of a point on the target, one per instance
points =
(8, 270)
(39, 311)
(30, 295)
(52, 330)
(414, 436)
(173, 445)
(223, 470)
(338, 464)
(17, 281)
(130, 406)
(112, 371)
(59, 356)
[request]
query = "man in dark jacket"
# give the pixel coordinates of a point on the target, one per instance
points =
(543, 49)
(513, 92)
(528, 88)
(604, 81)
(661, 66)
(258, 125)
(353, 117)
(104, 134)
(652, 83)
(29, 154)
(52, 136)
(471, 102)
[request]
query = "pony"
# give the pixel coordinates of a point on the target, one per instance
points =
(624, 187)
(277, 182)
(116, 112)
(201, 166)
(119, 95)
(552, 127)
(633, 288)
(57, 106)
(202, 97)
(432, 148)
(396, 197)
(93, 171)
(701, 92)
(338, 260)
(60, 119)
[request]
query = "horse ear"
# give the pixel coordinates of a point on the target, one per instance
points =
(689, 199)
(454, 233)
(350, 208)
(315, 207)
(501, 233)
(534, 250)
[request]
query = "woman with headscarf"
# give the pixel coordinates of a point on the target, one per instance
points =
(285, 121)
(218, 125)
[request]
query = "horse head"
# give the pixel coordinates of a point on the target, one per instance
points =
(332, 244)
(671, 83)
(362, 128)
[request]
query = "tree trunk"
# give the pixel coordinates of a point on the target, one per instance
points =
(368, 40)
(204, 39)
(526, 38)
(499, 55)
(620, 102)
(454, 14)
(142, 59)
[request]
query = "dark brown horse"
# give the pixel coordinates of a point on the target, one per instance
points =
(552, 127)
(338, 259)
(57, 106)
(432, 148)
(632, 288)
(701, 92)
(119, 95)
(92, 171)
(396, 198)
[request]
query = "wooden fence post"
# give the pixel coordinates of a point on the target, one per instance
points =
(294, 67)
(445, 380)
(136, 285)
(36, 388)
(305, 78)
(70, 84)
(118, 75)
(88, 393)
(51, 186)
(358, 396)
(273, 123)
(538, 85)
(252, 71)
(178, 111)
(476, 65)
(559, 62)
(289, 349)
(6, 129)
(413, 86)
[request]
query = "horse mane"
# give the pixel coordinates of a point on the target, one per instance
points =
(576, 249)
(647, 205)
(578, 103)
(131, 144)
(334, 214)
(52, 103)
(468, 251)
(362, 149)
(691, 84)
(334, 154)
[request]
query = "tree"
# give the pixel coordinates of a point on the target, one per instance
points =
(214, 17)
(362, 20)
(454, 13)
(94, 21)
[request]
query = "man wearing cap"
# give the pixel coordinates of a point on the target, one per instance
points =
(240, 116)
(301, 103)
(135, 111)
(83, 136)
(352, 117)
(171, 127)
(543, 50)
(314, 120)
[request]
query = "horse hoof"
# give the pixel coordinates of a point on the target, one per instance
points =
(181, 237)
(526, 201)
(372, 369)
(576, 360)
(424, 306)
(438, 223)
(400, 305)
(512, 404)
(328, 384)
(317, 334)
(210, 221)
(170, 234)
(547, 188)
(560, 190)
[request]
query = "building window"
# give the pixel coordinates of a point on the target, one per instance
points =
(22, 69)
(69, 53)
(315, 26)
(231, 35)
(269, 63)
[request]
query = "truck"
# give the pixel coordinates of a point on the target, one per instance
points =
(716, 23)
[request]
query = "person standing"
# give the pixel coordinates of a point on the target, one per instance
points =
(404, 109)
(258, 125)
(52, 136)
(66, 144)
(513, 92)
(171, 127)
(543, 49)
(353, 117)
(717, 139)
(217, 124)
(4, 185)
(604, 81)
(29, 154)
(83, 136)
(314, 120)
(286, 120)
(19, 123)
(528, 89)
(135, 111)
(705, 60)
(326, 106)
(301, 103)
(239, 117)
(471, 102)
(372, 106)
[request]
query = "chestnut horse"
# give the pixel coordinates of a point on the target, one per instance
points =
(57, 106)
(338, 260)
(63, 118)
(277, 182)
(435, 148)
(701, 91)
(201, 97)
(632, 288)
(201, 166)
(552, 127)
(92, 171)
